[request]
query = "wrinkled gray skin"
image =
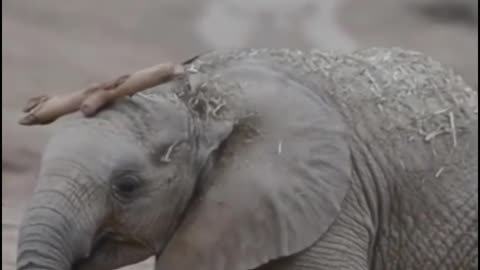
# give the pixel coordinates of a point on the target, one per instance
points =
(268, 159)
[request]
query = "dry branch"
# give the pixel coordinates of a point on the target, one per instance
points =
(44, 109)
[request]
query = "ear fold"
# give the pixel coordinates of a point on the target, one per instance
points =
(274, 194)
(214, 133)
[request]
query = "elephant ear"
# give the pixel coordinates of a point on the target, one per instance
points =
(278, 182)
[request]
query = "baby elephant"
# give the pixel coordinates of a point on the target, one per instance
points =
(267, 159)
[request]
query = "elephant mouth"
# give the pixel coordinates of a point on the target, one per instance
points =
(102, 244)
(108, 235)
(101, 239)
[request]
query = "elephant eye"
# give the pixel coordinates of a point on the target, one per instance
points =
(126, 185)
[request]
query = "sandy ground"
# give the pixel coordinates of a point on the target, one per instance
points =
(54, 46)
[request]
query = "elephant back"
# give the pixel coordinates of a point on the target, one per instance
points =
(393, 99)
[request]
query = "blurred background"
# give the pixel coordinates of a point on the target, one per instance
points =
(57, 46)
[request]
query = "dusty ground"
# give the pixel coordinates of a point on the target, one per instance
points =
(54, 46)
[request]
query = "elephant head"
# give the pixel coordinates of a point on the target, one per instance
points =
(228, 169)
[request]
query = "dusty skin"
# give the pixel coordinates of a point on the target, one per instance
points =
(53, 47)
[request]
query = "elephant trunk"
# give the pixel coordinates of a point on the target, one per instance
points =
(55, 231)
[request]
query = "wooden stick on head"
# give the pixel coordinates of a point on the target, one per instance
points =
(44, 110)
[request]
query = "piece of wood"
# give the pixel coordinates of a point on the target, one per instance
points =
(44, 109)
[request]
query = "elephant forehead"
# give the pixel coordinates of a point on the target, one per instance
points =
(138, 116)
(137, 120)
(88, 145)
